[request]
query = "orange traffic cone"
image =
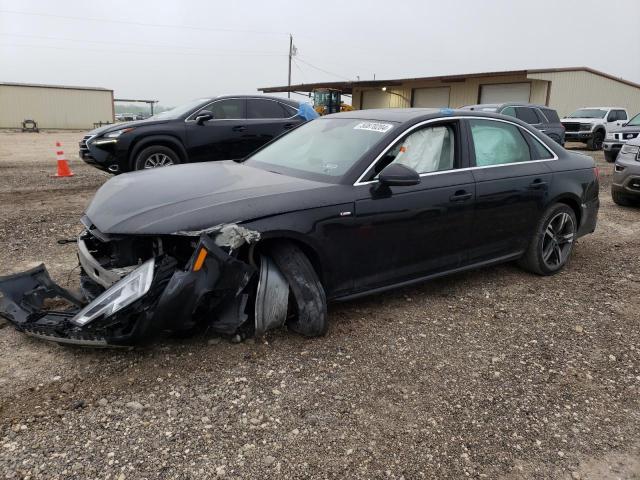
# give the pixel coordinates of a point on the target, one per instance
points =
(63, 165)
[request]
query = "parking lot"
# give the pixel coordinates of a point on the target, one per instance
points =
(492, 374)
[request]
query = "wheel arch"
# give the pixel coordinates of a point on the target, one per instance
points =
(572, 202)
(162, 140)
(311, 251)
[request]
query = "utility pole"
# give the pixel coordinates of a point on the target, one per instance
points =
(290, 56)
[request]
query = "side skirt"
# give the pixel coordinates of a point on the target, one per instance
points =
(486, 263)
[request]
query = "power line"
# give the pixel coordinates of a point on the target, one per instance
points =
(174, 47)
(143, 24)
(120, 52)
(323, 70)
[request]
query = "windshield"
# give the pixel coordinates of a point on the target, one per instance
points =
(323, 149)
(179, 111)
(588, 113)
(634, 122)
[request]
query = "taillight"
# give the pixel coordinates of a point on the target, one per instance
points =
(596, 172)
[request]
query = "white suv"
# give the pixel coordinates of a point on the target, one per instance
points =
(590, 125)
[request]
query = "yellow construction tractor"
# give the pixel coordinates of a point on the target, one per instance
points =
(329, 100)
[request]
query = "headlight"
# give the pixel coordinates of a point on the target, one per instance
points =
(117, 133)
(630, 150)
(585, 126)
(120, 295)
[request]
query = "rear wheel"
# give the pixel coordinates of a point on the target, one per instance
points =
(552, 243)
(610, 156)
(595, 142)
(156, 156)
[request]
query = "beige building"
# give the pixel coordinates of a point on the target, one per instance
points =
(54, 106)
(564, 89)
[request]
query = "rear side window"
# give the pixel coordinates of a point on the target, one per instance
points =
(258, 108)
(551, 115)
(499, 143)
(289, 110)
(527, 115)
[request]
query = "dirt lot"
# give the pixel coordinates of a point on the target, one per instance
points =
(491, 374)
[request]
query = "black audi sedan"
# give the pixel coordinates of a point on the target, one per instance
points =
(346, 205)
(227, 127)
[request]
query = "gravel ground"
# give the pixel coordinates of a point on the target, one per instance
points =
(492, 374)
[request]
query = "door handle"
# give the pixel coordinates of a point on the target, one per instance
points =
(537, 184)
(460, 196)
(239, 128)
(288, 126)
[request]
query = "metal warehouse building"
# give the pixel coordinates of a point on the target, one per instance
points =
(564, 89)
(54, 106)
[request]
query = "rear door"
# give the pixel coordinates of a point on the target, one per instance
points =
(266, 120)
(405, 233)
(512, 187)
(221, 138)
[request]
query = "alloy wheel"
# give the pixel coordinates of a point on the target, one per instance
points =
(557, 240)
(157, 160)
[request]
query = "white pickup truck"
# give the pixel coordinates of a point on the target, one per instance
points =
(590, 125)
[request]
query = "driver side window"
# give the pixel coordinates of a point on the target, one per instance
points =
(232, 109)
(430, 149)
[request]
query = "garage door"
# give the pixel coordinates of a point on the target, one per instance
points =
(375, 99)
(505, 92)
(431, 97)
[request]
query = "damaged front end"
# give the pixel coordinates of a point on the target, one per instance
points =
(133, 288)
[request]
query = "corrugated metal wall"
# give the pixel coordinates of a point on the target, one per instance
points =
(62, 108)
(462, 92)
(575, 89)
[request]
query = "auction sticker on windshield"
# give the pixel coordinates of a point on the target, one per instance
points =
(374, 127)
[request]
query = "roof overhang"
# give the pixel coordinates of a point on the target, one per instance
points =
(347, 87)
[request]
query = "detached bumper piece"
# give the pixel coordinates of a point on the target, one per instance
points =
(35, 305)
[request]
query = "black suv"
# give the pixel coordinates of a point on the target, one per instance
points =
(221, 128)
(541, 117)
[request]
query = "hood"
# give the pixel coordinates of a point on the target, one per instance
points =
(121, 125)
(630, 129)
(582, 120)
(198, 196)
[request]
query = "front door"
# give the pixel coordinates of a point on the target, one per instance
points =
(405, 233)
(222, 138)
(512, 187)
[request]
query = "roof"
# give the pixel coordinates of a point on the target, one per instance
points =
(398, 114)
(40, 85)
(347, 87)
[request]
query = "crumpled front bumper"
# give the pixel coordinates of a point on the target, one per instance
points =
(176, 300)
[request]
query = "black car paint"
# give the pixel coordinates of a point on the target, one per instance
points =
(359, 238)
(215, 139)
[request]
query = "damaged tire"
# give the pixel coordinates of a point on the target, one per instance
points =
(310, 314)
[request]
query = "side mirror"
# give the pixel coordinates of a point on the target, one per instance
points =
(611, 118)
(398, 175)
(203, 116)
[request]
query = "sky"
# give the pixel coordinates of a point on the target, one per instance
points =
(176, 51)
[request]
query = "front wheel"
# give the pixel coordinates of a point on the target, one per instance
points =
(552, 243)
(610, 156)
(595, 143)
(156, 156)
(620, 198)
